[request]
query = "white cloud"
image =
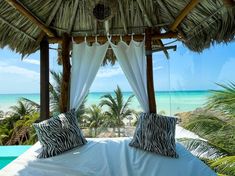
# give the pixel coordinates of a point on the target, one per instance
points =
(19, 71)
(31, 61)
(109, 72)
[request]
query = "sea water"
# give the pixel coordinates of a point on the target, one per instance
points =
(169, 102)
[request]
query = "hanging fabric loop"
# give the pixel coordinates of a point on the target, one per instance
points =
(96, 41)
(73, 41)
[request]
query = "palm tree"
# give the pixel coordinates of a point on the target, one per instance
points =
(55, 89)
(223, 100)
(21, 109)
(95, 117)
(118, 109)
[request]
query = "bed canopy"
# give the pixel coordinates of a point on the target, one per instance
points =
(27, 26)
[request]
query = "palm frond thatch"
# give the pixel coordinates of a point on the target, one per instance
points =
(208, 23)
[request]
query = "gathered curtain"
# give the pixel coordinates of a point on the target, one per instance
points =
(86, 61)
(132, 60)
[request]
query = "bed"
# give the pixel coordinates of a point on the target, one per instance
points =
(106, 157)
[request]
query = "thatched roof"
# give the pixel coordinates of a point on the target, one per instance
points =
(208, 22)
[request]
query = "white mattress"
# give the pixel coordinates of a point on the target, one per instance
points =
(106, 157)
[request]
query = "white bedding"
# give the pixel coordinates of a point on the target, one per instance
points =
(106, 157)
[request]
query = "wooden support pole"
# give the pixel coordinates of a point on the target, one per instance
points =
(116, 38)
(44, 80)
(150, 84)
(64, 99)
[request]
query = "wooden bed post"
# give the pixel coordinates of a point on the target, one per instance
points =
(64, 99)
(150, 85)
(44, 80)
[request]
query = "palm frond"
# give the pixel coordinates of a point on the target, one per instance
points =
(202, 148)
(30, 102)
(127, 103)
(223, 100)
(224, 165)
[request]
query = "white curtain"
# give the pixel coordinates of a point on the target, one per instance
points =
(133, 63)
(86, 61)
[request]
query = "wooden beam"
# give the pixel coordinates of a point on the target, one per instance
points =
(183, 14)
(166, 48)
(35, 20)
(72, 18)
(64, 99)
(16, 29)
(229, 3)
(103, 39)
(44, 80)
(122, 16)
(49, 20)
(159, 42)
(150, 84)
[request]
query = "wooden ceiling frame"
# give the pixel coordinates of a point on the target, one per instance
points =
(116, 38)
(29, 15)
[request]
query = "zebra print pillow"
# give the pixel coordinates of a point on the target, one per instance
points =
(155, 133)
(59, 134)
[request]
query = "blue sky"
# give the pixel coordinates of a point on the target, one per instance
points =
(185, 70)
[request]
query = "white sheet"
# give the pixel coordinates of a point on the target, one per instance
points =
(86, 61)
(107, 157)
(134, 65)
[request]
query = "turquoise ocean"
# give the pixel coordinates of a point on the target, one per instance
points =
(170, 102)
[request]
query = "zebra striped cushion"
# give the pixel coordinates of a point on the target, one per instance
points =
(59, 134)
(155, 133)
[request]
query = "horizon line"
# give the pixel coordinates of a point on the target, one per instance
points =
(190, 90)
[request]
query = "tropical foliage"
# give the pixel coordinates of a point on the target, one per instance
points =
(54, 89)
(95, 117)
(216, 124)
(118, 109)
(16, 125)
(223, 100)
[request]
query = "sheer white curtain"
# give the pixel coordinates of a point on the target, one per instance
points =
(86, 61)
(133, 63)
